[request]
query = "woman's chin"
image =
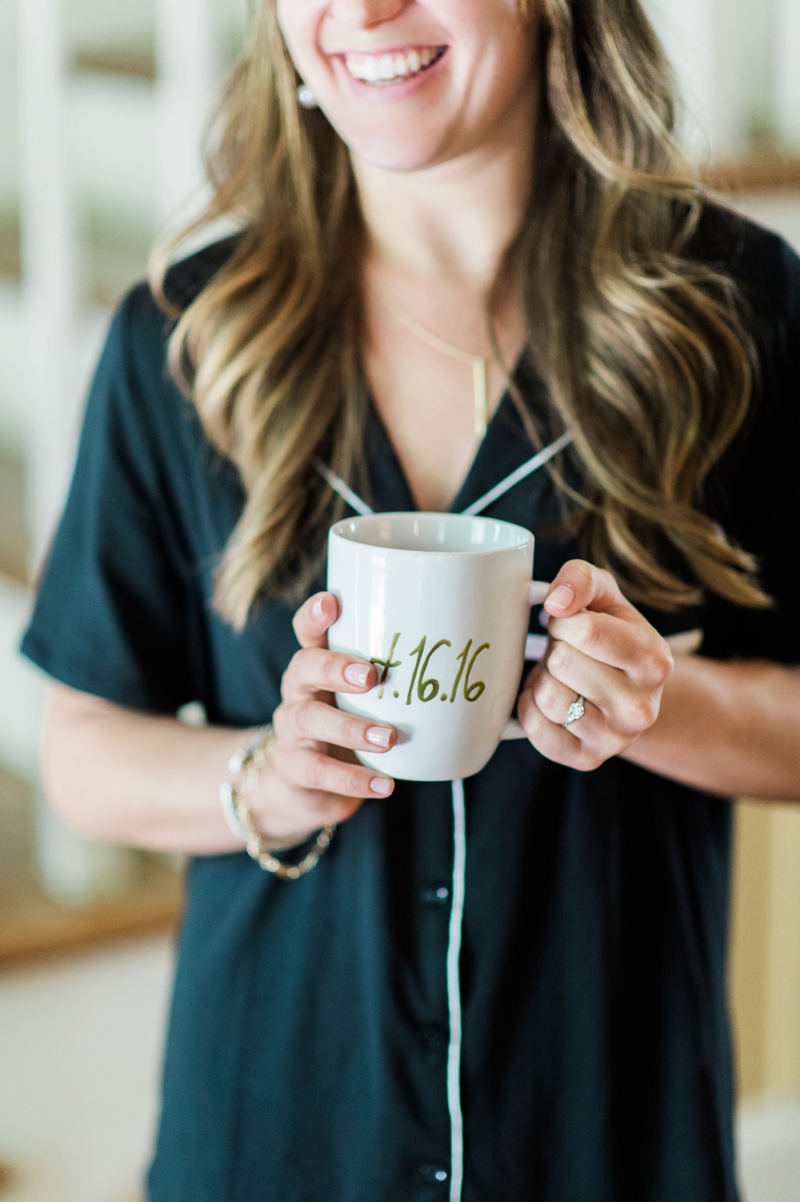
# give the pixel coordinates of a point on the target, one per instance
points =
(403, 150)
(401, 157)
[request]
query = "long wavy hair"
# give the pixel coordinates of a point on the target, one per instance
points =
(643, 350)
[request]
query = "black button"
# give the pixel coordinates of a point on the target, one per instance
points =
(437, 1174)
(434, 893)
(434, 1037)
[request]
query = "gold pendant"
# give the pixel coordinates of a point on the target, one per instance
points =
(481, 399)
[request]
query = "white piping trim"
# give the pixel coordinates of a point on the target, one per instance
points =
(524, 470)
(454, 993)
(344, 491)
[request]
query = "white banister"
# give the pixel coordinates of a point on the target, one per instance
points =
(49, 275)
(188, 68)
(71, 868)
(715, 47)
(787, 54)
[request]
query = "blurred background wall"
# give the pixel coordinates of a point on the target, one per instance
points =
(102, 108)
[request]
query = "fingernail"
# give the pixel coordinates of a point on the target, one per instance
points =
(561, 597)
(380, 736)
(381, 785)
(356, 674)
(318, 608)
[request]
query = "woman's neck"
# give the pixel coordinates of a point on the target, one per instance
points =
(456, 219)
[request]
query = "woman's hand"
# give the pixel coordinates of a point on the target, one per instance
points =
(313, 777)
(602, 649)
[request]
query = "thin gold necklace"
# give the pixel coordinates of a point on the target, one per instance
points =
(477, 362)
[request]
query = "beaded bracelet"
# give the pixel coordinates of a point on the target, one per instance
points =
(249, 760)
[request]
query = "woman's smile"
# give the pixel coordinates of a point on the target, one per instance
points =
(387, 67)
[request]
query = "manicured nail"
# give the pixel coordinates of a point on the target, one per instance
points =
(318, 608)
(381, 785)
(379, 736)
(561, 597)
(356, 674)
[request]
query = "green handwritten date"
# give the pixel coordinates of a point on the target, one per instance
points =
(424, 684)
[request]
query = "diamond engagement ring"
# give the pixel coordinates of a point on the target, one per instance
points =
(575, 711)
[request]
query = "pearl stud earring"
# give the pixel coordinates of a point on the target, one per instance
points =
(306, 97)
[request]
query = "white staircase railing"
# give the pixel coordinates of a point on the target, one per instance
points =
(787, 55)
(57, 330)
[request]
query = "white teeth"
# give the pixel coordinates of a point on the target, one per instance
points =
(386, 68)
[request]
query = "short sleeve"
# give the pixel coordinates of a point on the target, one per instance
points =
(754, 494)
(110, 617)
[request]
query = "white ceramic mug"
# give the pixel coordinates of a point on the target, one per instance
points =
(440, 603)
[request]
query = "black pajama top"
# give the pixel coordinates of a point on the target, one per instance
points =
(306, 1059)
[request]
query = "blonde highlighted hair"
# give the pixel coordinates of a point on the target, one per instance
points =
(643, 349)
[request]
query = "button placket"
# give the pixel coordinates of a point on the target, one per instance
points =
(435, 1037)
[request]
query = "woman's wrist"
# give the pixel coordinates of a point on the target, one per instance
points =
(731, 728)
(247, 764)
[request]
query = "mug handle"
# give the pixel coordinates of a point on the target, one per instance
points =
(537, 592)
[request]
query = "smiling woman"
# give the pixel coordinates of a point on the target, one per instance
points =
(472, 274)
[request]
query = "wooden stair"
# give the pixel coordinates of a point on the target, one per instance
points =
(137, 63)
(13, 530)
